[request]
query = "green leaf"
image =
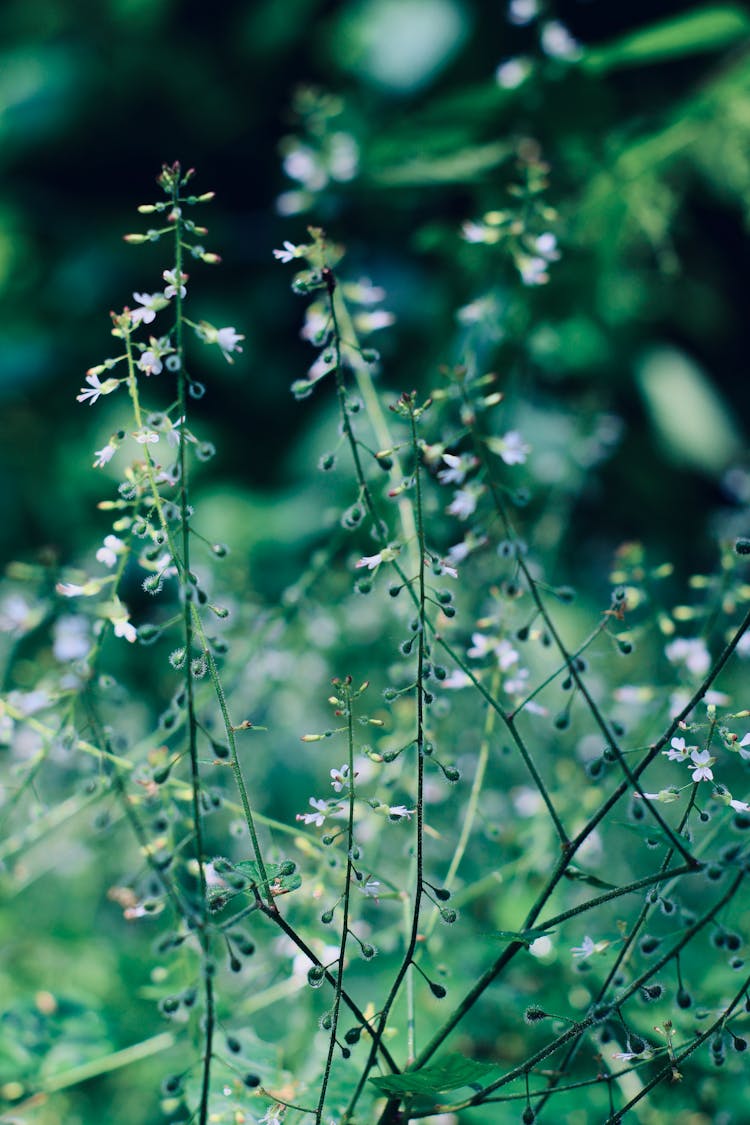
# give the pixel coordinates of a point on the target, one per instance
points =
(576, 873)
(280, 883)
(526, 937)
(449, 1072)
(708, 29)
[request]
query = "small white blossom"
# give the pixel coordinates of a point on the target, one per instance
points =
(170, 276)
(371, 888)
(702, 762)
(400, 812)
(146, 311)
(229, 341)
(558, 43)
(455, 473)
(585, 949)
(373, 320)
(274, 1115)
(521, 12)
(480, 646)
(456, 680)
(150, 363)
(317, 817)
(474, 232)
(464, 503)
(664, 796)
(289, 252)
(69, 589)
(111, 549)
(123, 628)
(102, 456)
(339, 778)
(691, 652)
(506, 655)
(445, 568)
(511, 447)
(71, 638)
(679, 751)
(146, 437)
(742, 745)
(96, 388)
(518, 683)
(511, 73)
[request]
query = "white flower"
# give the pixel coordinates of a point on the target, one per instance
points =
(679, 751)
(457, 469)
(464, 503)
(372, 321)
(664, 796)
(739, 806)
(474, 232)
(480, 646)
(124, 628)
(96, 388)
(289, 253)
(371, 888)
(111, 549)
(512, 72)
(146, 312)
(102, 456)
(521, 12)
(445, 568)
(70, 590)
(71, 638)
(459, 551)
(691, 652)
(585, 949)
(558, 43)
(511, 447)
(456, 680)
(316, 325)
(317, 817)
(455, 472)
(518, 683)
(339, 778)
(229, 341)
(702, 765)
(370, 561)
(274, 1115)
(388, 554)
(16, 615)
(744, 741)
(400, 812)
(506, 655)
(150, 363)
(170, 276)
(363, 292)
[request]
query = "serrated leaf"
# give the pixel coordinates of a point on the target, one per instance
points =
(526, 937)
(708, 29)
(449, 1072)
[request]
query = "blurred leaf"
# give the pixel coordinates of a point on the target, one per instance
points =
(526, 937)
(459, 166)
(689, 33)
(694, 424)
(449, 1072)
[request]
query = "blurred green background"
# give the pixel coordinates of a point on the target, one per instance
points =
(646, 134)
(391, 123)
